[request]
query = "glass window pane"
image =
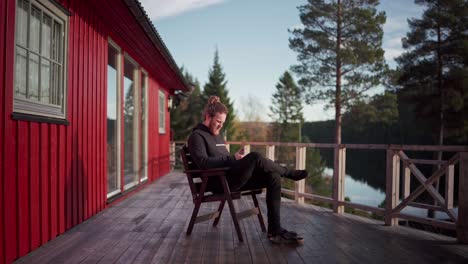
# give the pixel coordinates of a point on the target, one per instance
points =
(112, 81)
(129, 122)
(33, 91)
(20, 72)
(162, 112)
(57, 42)
(46, 36)
(45, 81)
(142, 127)
(56, 90)
(22, 23)
(35, 29)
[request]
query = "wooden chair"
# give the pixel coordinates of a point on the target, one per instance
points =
(198, 180)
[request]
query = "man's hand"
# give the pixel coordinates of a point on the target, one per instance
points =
(239, 154)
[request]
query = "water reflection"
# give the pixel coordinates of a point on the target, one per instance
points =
(362, 193)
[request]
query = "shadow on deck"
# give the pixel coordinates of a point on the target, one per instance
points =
(149, 227)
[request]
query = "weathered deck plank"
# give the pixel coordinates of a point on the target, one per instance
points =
(150, 226)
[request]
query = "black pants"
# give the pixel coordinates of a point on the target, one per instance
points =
(255, 171)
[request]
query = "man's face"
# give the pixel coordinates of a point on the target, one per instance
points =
(216, 123)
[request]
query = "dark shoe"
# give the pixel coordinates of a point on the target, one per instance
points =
(285, 237)
(272, 234)
(297, 175)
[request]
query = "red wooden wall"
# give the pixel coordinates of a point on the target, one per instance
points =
(53, 177)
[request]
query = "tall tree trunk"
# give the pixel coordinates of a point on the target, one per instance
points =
(338, 77)
(440, 89)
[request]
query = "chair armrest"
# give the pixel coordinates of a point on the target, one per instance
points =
(209, 172)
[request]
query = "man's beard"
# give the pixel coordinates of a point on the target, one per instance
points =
(214, 130)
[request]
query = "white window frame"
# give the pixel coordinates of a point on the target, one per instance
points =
(36, 107)
(144, 127)
(119, 118)
(162, 112)
(136, 94)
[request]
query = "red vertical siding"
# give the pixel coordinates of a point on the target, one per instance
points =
(3, 18)
(80, 119)
(102, 126)
(23, 184)
(53, 181)
(44, 182)
(93, 62)
(153, 129)
(9, 142)
(85, 118)
(53, 177)
(62, 172)
(72, 108)
(34, 185)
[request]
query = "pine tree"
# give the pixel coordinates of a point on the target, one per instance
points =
(217, 86)
(340, 51)
(286, 108)
(433, 70)
(187, 112)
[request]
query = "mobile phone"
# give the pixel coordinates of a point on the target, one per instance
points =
(242, 150)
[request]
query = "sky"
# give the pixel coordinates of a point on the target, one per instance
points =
(252, 40)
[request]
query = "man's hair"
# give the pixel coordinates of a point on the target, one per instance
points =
(214, 106)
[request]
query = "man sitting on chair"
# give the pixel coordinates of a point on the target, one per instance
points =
(252, 171)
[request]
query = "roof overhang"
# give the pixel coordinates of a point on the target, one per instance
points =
(142, 18)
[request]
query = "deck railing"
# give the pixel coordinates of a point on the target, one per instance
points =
(397, 161)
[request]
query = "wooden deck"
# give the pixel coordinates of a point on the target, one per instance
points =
(149, 227)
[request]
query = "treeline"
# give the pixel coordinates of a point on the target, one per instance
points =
(423, 101)
(386, 119)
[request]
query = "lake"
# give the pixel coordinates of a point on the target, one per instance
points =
(362, 193)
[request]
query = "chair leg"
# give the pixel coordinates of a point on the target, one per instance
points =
(227, 195)
(220, 210)
(198, 203)
(234, 217)
(194, 216)
(260, 216)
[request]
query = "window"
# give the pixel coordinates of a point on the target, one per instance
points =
(127, 123)
(113, 121)
(162, 112)
(143, 127)
(41, 30)
(130, 121)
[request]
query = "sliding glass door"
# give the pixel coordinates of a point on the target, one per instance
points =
(113, 123)
(126, 122)
(130, 123)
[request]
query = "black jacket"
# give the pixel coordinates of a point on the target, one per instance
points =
(207, 150)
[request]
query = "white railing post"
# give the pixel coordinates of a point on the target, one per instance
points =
(172, 154)
(246, 149)
(407, 182)
(449, 186)
(299, 186)
(462, 222)
(392, 186)
(270, 152)
(339, 172)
